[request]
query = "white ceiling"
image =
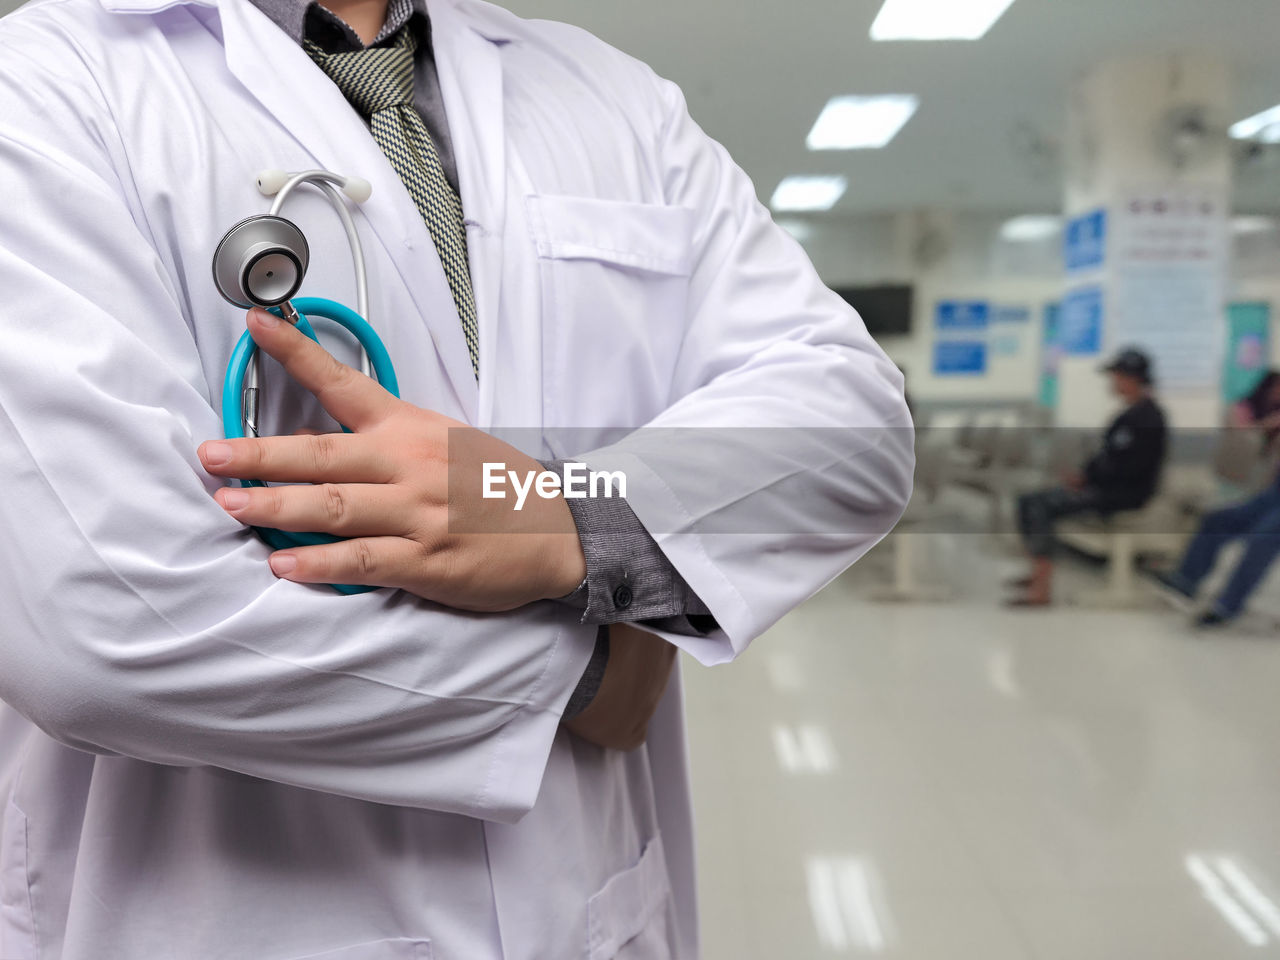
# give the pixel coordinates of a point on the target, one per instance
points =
(756, 74)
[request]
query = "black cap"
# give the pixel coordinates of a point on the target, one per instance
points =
(1132, 363)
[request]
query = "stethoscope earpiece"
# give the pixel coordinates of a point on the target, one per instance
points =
(261, 262)
(358, 189)
(271, 181)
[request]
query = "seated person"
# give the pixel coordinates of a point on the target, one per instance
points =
(1257, 521)
(1123, 475)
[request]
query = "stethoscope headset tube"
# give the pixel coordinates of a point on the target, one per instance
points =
(262, 261)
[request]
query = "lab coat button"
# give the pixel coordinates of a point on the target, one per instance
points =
(622, 597)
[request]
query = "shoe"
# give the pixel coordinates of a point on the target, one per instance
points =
(1174, 592)
(1018, 583)
(1210, 619)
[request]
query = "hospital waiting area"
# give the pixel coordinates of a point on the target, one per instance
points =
(1011, 194)
(1038, 719)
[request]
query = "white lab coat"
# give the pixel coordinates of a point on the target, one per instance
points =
(199, 761)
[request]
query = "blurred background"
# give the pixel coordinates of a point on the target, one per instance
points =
(1011, 193)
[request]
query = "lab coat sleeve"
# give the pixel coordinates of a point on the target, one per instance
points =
(139, 620)
(787, 450)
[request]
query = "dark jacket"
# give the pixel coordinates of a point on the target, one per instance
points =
(1126, 471)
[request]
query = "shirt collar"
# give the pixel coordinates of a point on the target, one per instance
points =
(492, 23)
(309, 19)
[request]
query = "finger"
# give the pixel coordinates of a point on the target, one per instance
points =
(354, 400)
(370, 561)
(325, 458)
(342, 509)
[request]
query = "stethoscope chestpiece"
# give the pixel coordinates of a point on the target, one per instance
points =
(261, 262)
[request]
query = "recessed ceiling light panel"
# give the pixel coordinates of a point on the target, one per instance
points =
(808, 193)
(861, 123)
(1246, 225)
(1030, 228)
(1263, 127)
(937, 19)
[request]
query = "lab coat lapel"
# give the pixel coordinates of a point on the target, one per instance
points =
(469, 64)
(284, 80)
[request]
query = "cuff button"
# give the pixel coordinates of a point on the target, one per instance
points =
(622, 597)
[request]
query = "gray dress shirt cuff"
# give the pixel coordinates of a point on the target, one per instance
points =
(629, 578)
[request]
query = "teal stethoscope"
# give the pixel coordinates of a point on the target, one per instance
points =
(261, 262)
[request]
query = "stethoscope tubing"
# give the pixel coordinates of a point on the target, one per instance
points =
(233, 399)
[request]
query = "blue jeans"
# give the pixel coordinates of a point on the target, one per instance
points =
(1258, 522)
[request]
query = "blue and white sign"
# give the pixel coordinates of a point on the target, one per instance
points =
(1011, 314)
(1085, 241)
(1080, 322)
(960, 358)
(962, 315)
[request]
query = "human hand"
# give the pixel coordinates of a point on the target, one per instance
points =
(387, 486)
(635, 679)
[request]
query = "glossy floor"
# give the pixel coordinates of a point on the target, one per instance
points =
(963, 782)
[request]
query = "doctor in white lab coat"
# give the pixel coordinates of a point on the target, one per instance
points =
(200, 759)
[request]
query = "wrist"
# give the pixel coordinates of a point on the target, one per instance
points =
(571, 570)
(568, 566)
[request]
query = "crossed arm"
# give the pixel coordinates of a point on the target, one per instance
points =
(143, 623)
(392, 487)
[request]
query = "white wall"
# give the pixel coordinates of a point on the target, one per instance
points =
(961, 256)
(946, 257)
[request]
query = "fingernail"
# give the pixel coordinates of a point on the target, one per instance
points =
(234, 498)
(216, 454)
(266, 317)
(283, 564)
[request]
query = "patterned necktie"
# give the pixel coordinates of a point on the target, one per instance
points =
(378, 81)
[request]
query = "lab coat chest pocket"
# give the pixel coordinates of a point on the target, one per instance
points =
(629, 918)
(614, 290)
